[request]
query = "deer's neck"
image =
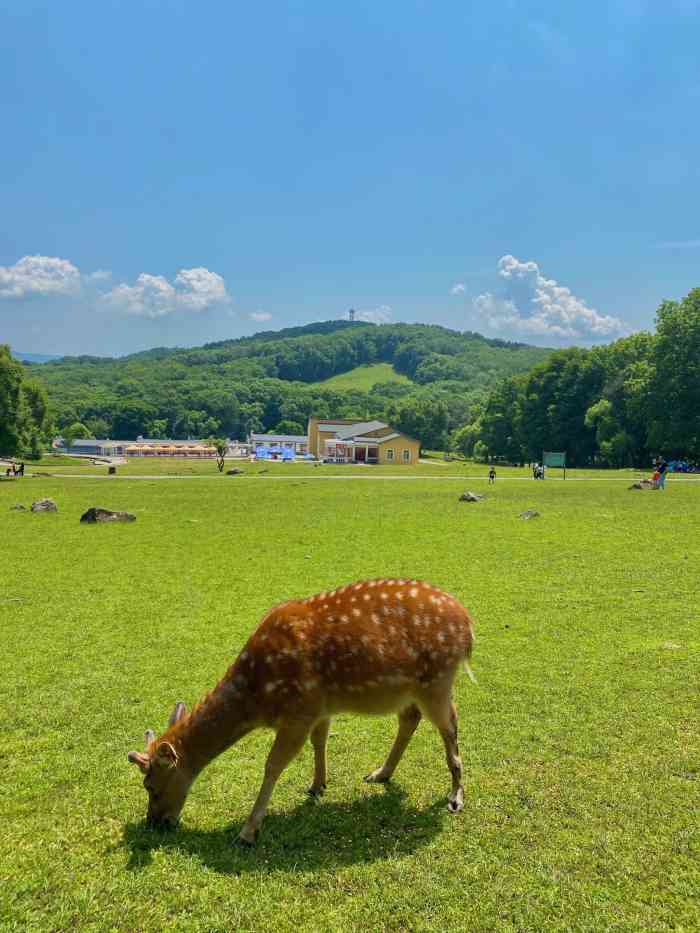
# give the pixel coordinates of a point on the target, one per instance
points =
(215, 725)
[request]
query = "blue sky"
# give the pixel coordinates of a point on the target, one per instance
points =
(173, 173)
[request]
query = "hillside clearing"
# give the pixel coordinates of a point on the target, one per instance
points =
(362, 378)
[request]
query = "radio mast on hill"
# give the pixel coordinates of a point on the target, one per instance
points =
(351, 314)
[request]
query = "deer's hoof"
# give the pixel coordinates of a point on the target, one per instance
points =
(243, 842)
(315, 793)
(377, 777)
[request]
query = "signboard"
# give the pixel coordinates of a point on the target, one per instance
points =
(554, 458)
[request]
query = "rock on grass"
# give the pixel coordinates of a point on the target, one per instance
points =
(94, 515)
(44, 505)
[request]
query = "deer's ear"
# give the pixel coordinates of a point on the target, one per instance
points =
(177, 714)
(166, 755)
(142, 761)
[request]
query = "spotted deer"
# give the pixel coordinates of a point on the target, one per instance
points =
(373, 647)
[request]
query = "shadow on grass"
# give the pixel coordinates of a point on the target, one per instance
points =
(325, 835)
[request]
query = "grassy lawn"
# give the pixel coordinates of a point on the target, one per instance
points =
(580, 741)
(432, 465)
(362, 378)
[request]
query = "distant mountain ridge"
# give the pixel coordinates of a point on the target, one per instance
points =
(274, 377)
(34, 357)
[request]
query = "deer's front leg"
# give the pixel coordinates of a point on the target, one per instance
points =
(319, 737)
(287, 745)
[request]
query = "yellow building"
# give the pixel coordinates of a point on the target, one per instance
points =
(344, 440)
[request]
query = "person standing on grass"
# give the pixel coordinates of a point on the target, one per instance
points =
(662, 470)
(492, 475)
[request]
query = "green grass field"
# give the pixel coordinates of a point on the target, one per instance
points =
(362, 378)
(580, 740)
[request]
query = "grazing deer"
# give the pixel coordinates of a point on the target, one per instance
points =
(378, 646)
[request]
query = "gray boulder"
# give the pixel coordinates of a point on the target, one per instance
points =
(94, 515)
(471, 497)
(530, 513)
(44, 505)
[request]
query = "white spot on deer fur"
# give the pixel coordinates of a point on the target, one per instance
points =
(413, 592)
(353, 599)
(269, 687)
(366, 597)
(383, 595)
(356, 612)
(399, 594)
(344, 618)
(375, 618)
(440, 637)
(244, 655)
(357, 586)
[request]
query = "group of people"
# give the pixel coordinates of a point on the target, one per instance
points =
(15, 469)
(659, 476)
(538, 471)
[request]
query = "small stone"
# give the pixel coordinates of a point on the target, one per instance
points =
(530, 513)
(94, 515)
(44, 505)
(18, 507)
(235, 472)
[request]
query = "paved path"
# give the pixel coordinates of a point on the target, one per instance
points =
(304, 479)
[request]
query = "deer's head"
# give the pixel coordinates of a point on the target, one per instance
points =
(166, 778)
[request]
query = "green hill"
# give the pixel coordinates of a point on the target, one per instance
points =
(276, 379)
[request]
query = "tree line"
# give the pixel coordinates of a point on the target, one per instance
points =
(613, 405)
(616, 405)
(274, 382)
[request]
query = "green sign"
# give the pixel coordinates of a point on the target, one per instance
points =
(554, 458)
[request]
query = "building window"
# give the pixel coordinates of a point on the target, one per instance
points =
(406, 454)
(390, 453)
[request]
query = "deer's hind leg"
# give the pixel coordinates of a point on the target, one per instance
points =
(409, 717)
(441, 711)
(319, 738)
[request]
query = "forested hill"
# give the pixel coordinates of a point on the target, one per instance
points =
(273, 380)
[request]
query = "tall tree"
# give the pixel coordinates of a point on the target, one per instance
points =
(24, 418)
(674, 388)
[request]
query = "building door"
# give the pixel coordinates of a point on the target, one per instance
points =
(360, 454)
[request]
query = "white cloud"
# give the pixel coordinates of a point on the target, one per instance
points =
(458, 289)
(39, 275)
(260, 316)
(380, 315)
(152, 296)
(534, 306)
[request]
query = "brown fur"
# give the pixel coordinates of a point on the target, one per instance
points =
(377, 646)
